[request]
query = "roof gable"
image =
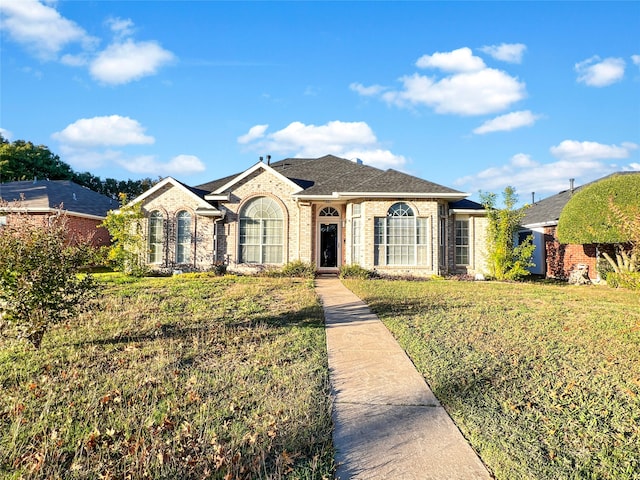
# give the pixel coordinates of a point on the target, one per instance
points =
(221, 189)
(197, 194)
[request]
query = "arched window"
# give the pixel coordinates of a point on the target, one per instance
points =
(183, 239)
(156, 231)
(261, 231)
(329, 212)
(400, 209)
(400, 237)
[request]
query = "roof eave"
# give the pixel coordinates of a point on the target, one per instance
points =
(218, 197)
(468, 211)
(551, 223)
(54, 211)
(209, 212)
(353, 195)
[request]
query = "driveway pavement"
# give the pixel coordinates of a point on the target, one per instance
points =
(387, 422)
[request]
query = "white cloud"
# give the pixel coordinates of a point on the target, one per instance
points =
(149, 165)
(113, 130)
(473, 93)
(41, 29)
(367, 91)
(254, 133)
(595, 72)
(468, 86)
(124, 62)
(507, 122)
(460, 60)
(584, 161)
(121, 27)
(344, 139)
(635, 59)
(6, 134)
(574, 150)
(90, 143)
(506, 52)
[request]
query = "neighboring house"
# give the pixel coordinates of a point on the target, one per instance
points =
(553, 259)
(42, 199)
(329, 211)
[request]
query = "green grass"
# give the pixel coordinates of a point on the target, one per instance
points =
(185, 377)
(543, 380)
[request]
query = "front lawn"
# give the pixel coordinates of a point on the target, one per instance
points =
(543, 380)
(184, 377)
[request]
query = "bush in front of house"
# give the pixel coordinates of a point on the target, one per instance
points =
(40, 280)
(355, 271)
(296, 268)
(630, 280)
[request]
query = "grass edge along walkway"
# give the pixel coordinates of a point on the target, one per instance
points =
(544, 380)
(387, 423)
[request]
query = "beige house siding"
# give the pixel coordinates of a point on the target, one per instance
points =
(216, 238)
(170, 201)
(477, 244)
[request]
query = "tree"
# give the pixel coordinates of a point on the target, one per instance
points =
(506, 259)
(606, 212)
(128, 246)
(39, 281)
(24, 161)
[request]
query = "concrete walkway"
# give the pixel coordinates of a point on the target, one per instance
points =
(387, 422)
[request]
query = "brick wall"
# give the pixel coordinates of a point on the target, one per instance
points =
(562, 259)
(79, 227)
(170, 201)
(262, 183)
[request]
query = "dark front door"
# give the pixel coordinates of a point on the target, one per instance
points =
(328, 245)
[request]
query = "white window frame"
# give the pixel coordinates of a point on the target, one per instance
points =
(261, 237)
(183, 238)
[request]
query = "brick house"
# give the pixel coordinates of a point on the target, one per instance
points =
(553, 259)
(329, 211)
(41, 199)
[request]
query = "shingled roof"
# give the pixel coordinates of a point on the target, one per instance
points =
(47, 195)
(328, 175)
(548, 210)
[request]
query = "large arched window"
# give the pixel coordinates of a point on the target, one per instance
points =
(400, 237)
(183, 237)
(156, 230)
(261, 231)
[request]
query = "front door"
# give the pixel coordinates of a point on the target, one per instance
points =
(328, 245)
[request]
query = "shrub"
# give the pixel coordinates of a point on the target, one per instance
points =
(298, 268)
(128, 245)
(355, 271)
(39, 280)
(630, 280)
(506, 260)
(220, 269)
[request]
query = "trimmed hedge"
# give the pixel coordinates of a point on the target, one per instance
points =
(587, 216)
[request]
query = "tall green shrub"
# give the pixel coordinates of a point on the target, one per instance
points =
(128, 245)
(506, 260)
(606, 212)
(39, 280)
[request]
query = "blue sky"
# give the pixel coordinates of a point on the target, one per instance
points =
(475, 96)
